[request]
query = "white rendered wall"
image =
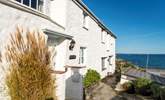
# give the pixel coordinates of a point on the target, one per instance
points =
(91, 39)
(67, 14)
(58, 11)
(60, 59)
(10, 18)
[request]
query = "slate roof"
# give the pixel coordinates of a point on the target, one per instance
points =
(137, 73)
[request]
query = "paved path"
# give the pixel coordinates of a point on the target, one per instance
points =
(105, 92)
(102, 92)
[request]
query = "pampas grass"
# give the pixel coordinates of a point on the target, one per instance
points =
(29, 76)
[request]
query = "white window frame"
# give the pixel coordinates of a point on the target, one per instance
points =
(108, 43)
(82, 55)
(103, 63)
(38, 7)
(110, 60)
(85, 21)
(103, 36)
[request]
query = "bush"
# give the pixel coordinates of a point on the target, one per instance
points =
(162, 93)
(142, 86)
(91, 78)
(29, 59)
(129, 87)
(155, 88)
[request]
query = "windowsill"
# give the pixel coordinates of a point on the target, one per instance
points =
(85, 28)
(82, 64)
(108, 50)
(103, 69)
(73, 66)
(103, 42)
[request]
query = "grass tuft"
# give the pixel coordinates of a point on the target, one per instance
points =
(29, 76)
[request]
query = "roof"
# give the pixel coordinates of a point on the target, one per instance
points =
(137, 73)
(56, 34)
(93, 16)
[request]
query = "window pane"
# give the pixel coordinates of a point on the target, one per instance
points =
(40, 5)
(26, 2)
(85, 20)
(81, 55)
(34, 4)
(18, 1)
(82, 60)
(103, 62)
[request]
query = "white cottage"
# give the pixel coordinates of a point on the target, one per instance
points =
(81, 40)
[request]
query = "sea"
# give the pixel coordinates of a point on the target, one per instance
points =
(150, 61)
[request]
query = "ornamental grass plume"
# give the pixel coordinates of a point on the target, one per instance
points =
(0, 57)
(29, 76)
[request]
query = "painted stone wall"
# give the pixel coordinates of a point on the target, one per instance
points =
(89, 38)
(13, 15)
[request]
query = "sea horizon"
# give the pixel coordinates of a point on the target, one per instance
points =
(144, 53)
(155, 61)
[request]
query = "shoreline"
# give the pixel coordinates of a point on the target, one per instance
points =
(160, 72)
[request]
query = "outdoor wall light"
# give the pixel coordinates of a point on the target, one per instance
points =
(72, 44)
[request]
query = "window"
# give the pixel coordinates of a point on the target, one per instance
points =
(103, 36)
(35, 4)
(82, 55)
(40, 5)
(103, 63)
(110, 60)
(108, 42)
(86, 21)
(26, 2)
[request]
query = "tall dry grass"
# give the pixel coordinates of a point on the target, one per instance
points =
(29, 59)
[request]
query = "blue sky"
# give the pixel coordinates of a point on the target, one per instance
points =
(138, 24)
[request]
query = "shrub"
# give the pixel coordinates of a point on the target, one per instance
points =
(91, 78)
(162, 93)
(142, 86)
(158, 91)
(155, 88)
(129, 87)
(29, 59)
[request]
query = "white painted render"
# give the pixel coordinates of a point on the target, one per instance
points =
(89, 38)
(58, 10)
(66, 17)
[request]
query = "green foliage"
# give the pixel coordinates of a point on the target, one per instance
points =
(158, 91)
(91, 78)
(29, 76)
(142, 86)
(122, 65)
(128, 64)
(129, 87)
(162, 93)
(155, 88)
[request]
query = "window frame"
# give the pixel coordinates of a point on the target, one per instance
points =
(110, 60)
(85, 21)
(108, 42)
(38, 8)
(103, 63)
(82, 55)
(103, 36)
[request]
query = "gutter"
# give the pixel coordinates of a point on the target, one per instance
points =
(93, 16)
